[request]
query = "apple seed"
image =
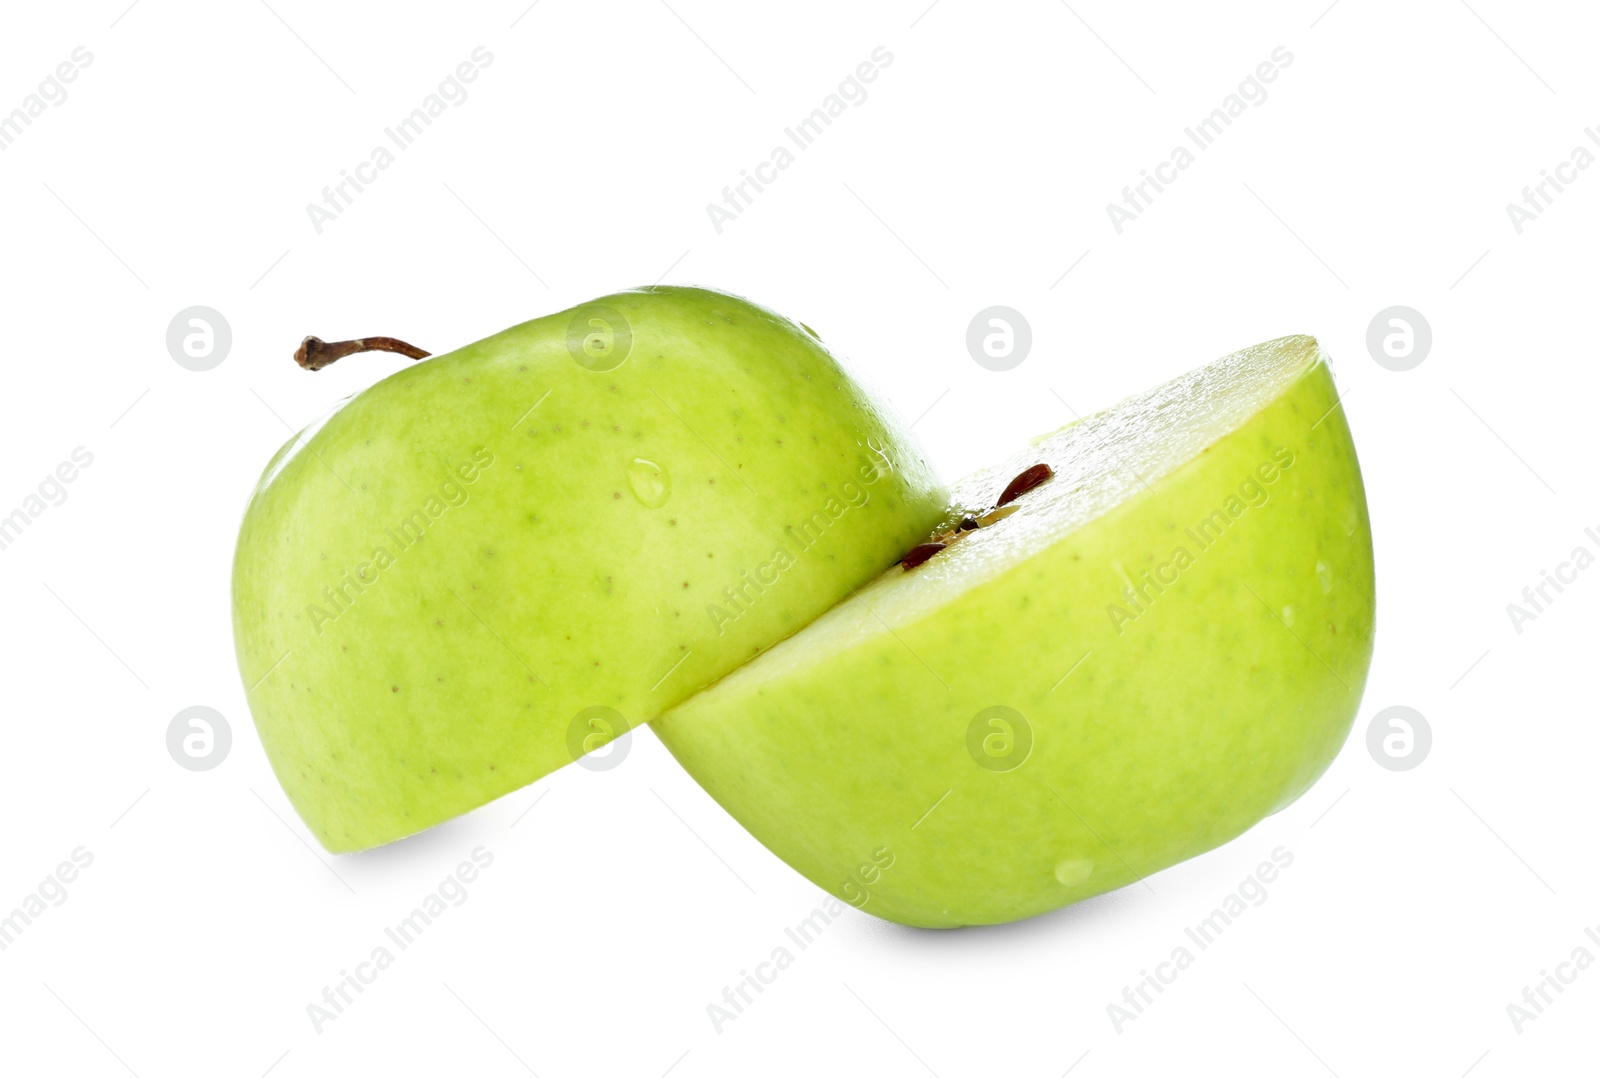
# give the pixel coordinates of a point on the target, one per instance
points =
(1025, 482)
(920, 553)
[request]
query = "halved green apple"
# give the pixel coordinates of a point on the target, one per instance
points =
(1164, 643)
(499, 559)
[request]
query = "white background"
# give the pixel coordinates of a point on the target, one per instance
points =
(1376, 172)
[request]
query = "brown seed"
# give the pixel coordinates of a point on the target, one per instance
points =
(1025, 482)
(920, 553)
(968, 524)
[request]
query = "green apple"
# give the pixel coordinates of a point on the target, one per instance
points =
(498, 559)
(1164, 643)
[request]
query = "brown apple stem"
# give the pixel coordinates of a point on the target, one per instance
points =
(315, 353)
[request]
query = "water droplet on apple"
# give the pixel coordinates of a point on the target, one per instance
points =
(1073, 870)
(1351, 517)
(650, 483)
(1325, 577)
(1288, 616)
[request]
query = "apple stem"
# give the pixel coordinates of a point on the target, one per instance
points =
(315, 353)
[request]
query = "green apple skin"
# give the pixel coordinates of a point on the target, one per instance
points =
(606, 508)
(1153, 739)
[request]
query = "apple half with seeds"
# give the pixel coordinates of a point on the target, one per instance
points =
(1164, 641)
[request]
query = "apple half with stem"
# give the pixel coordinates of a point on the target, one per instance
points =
(499, 559)
(1165, 642)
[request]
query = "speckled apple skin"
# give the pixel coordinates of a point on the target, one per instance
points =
(426, 683)
(1221, 702)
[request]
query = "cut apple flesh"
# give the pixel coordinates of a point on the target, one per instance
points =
(1166, 642)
